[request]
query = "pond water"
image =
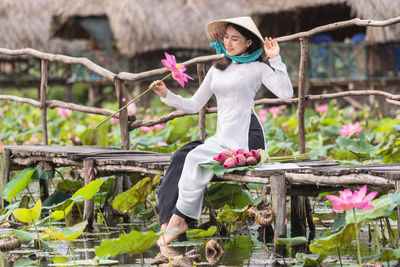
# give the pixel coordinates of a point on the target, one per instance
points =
(239, 251)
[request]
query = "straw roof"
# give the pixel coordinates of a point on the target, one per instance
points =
(141, 26)
(27, 24)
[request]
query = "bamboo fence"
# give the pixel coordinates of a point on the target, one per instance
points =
(120, 78)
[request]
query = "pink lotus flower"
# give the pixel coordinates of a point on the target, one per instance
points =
(158, 127)
(114, 120)
(147, 129)
(348, 200)
(64, 112)
(262, 115)
(161, 143)
(275, 111)
(176, 69)
(240, 160)
(1, 144)
(323, 109)
(230, 162)
(350, 129)
(131, 109)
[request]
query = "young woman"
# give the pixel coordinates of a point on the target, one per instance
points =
(234, 80)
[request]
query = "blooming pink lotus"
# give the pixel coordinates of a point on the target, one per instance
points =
(348, 200)
(131, 109)
(161, 143)
(275, 111)
(114, 120)
(262, 115)
(1, 144)
(159, 127)
(148, 129)
(323, 109)
(176, 69)
(64, 112)
(350, 129)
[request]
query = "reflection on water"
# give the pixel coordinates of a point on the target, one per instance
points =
(239, 250)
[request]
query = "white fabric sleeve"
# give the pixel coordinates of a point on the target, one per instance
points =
(196, 102)
(278, 81)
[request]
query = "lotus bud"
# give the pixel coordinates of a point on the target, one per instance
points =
(251, 161)
(230, 162)
(223, 156)
(256, 155)
(240, 151)
(246, 154)
(241, 160)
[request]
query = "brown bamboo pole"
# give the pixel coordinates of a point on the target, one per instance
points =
(123, 116)
(88, 206)
(339, 25)
(43, 107)
(301, 92)
(61, 58)
(278, 199)
(201, 72)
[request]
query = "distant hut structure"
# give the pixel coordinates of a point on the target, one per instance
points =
(27, 24)
(131, 35)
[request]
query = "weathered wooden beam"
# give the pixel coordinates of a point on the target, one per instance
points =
(201, 72)
(88, 204)
(5, 175)
(43, 107)
(302, 93)
(342, 180)
(123, 114)
(278, 199)
(397, 187)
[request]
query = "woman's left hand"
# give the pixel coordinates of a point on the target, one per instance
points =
(271, 47)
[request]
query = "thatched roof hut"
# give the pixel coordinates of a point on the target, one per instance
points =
(143, 26)
(27, 24)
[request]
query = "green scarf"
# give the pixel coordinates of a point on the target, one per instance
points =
(241, 59)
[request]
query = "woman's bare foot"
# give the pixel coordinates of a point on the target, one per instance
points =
(176, 222)
(164, 226)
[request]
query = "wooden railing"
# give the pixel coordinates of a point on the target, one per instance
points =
(118, 81)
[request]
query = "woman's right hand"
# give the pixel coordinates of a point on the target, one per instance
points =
(159, 88)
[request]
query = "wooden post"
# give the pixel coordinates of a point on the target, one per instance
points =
(88, 204)
(43, 108)
(298, 203)
(123, 122)
(278, 199)
(298, 222)
(302, 88)
(5, 176)
(202, 113)
(397, 187)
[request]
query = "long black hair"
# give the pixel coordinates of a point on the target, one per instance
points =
(224, 62)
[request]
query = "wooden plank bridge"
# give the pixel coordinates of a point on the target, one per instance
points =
(308, 178)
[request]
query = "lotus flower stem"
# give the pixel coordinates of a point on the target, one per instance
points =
(130, 102)
(37, 233)
(357, 240)
(73, 252)
(287, 158)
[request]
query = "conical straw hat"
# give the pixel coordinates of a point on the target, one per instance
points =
(216, 29)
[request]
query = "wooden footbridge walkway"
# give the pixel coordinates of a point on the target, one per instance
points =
(306, 179)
